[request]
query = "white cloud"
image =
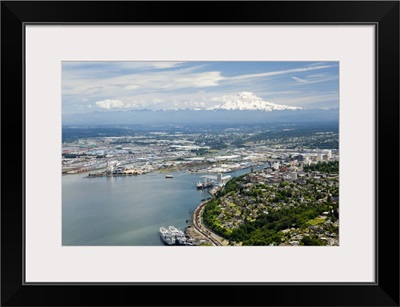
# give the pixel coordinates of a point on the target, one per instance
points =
(309, 100)
(206, 79)
(314, 79)
(131, 86)
(315, 76)
(300, 80)
(279, 72)
(115, 103)
(139, 83)
(163, 65)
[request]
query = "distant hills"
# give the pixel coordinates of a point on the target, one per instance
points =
(189, 116)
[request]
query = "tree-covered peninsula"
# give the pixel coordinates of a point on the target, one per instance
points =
(291, 206)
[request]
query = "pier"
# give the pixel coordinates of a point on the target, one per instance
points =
(218, 179)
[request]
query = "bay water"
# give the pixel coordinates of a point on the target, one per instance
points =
(128, 210)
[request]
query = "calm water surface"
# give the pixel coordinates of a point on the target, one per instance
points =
(127, 210)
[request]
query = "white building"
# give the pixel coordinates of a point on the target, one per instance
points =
(329, 154)
(219, 178)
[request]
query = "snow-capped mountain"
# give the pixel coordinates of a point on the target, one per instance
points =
(247, 101)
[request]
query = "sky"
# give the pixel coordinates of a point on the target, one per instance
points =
(111, 86)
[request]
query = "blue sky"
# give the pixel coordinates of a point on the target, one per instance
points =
(111, 86)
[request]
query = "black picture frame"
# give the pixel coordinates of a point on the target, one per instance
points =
(383, 14)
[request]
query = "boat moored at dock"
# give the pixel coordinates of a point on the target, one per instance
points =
(205, 184)
(175, 231)
(175, 236)
(180, 237)
(167, 236)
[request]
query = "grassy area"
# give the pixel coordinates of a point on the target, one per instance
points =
(317, 220)
(206, 244)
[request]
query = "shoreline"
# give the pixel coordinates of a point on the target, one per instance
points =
(193, 169)
(199, 229)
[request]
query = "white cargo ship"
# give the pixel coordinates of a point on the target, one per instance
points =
(167, 236)
(174, 236)
(180, 237)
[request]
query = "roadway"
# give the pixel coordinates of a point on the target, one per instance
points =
(200, 227)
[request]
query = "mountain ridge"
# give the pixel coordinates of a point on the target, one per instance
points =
(146, 116)
(247, 101)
